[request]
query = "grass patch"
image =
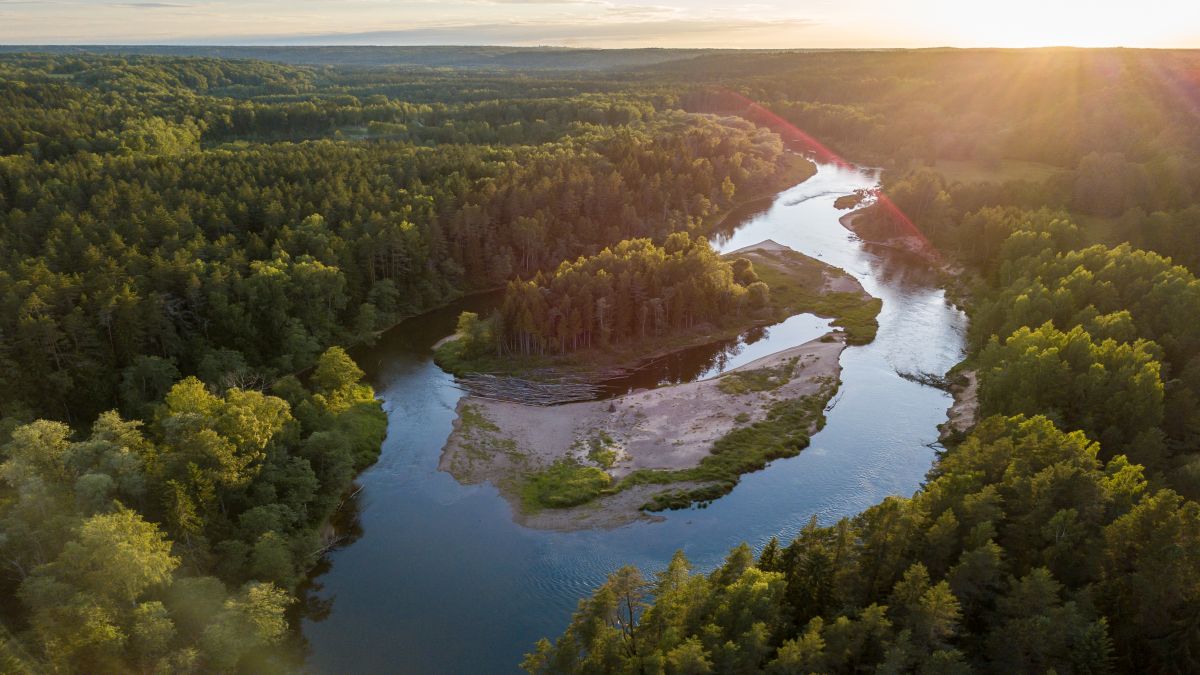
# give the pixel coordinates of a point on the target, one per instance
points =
(472, 419)
(759, 379)
(797, 282)
(601, 452)
(856, 316)
(565, 484)
(784, 433)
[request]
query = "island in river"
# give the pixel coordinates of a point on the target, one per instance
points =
(606, 463)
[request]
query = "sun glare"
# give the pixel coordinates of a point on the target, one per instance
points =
(1034, 23)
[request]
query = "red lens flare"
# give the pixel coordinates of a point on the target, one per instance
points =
(759, 114)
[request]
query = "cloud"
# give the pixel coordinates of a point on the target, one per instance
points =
(567, 23)
(540, 2)
(535, 33)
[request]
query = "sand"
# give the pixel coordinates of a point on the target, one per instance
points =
(964, 412)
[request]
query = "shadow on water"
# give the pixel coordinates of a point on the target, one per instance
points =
(441, 580)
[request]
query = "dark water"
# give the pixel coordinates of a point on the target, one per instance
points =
(440, 580)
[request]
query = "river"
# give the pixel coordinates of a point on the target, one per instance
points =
(439, 579)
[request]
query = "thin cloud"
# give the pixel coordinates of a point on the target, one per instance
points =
(531, 33)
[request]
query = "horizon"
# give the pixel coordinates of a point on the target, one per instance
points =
(598, 24)
(553, 47)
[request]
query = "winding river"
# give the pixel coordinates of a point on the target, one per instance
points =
(439, 579)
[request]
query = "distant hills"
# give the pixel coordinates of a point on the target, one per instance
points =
(488, 58)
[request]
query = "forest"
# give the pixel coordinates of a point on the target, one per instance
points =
(1061, 533)
(187, 245)
(226, 258)
(190, 245)
(625, 293)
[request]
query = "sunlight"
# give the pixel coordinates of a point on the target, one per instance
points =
(1041, 23)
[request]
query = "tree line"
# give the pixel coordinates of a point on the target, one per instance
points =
(1060, 534)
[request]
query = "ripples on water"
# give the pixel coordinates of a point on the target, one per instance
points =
(442, 580)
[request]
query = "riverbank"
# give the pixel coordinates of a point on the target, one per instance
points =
(907, 243)
(467, 561)
(605, 463)
(964, 412)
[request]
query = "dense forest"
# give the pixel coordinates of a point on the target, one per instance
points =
(1061, 533)
(223, 257)
(187, 244)
(629, 292)
(121, 540)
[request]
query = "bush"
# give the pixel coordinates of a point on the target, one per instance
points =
(565, 484)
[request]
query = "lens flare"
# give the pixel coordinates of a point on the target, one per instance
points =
(794, 135)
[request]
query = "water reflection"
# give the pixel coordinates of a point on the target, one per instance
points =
(710, 360)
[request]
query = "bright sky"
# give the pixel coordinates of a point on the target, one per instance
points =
(609, 23)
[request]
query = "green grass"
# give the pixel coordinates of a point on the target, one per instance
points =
(796, 282)
(980, 171)
(564, 484)
(759, 379)
(601, 452)
(472, 419)
(856, 317)
(784, 433)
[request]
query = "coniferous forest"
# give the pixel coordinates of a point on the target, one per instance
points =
(192, 248)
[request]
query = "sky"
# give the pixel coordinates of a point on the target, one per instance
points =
(773, 24)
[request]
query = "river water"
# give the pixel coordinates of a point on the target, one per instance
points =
(439, 579)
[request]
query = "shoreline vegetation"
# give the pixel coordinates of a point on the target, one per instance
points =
(606, 463)
(797, 284)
